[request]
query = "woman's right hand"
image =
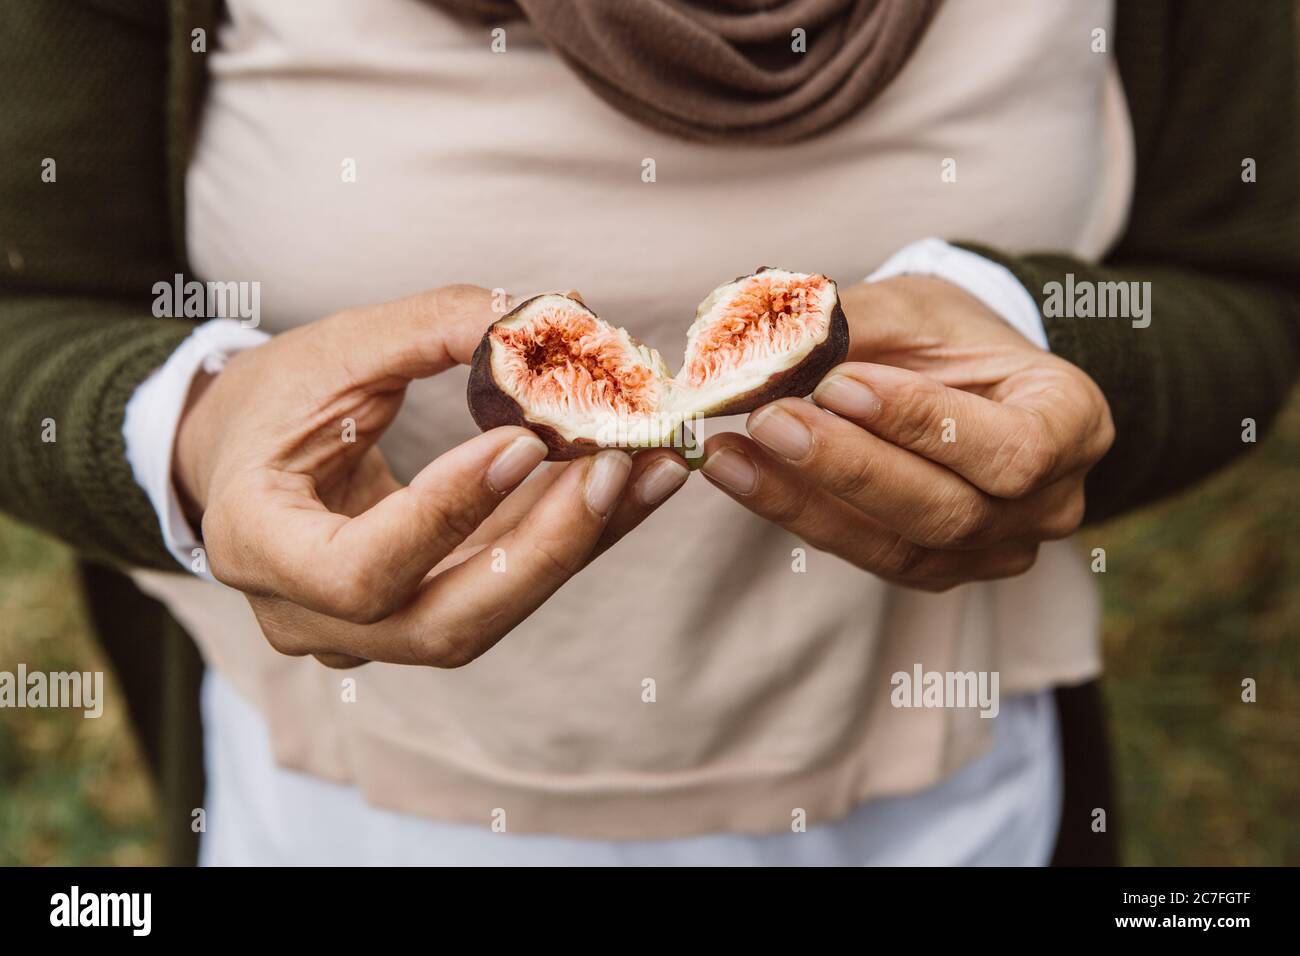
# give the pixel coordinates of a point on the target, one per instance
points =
(276, 457)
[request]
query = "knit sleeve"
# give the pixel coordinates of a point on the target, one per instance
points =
(85, 232)
(67, 370)
(1214, 232)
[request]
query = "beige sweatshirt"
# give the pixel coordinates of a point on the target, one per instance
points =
(770, 668)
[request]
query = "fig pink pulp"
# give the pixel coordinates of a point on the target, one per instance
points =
(565, 356)
(764, 316)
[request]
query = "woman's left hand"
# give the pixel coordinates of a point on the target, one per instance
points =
(945, 450)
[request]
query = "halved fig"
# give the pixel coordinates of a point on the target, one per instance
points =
(554, 366)
(581, 384)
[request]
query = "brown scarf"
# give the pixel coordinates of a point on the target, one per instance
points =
(725, 70)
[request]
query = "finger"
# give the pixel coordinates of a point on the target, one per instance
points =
(511, 511)
(651, 478)
(463, 612)
(297, 632)
(924, 502)
(781, 495)
(414, 337)
(1004, 449)
(286, 543)
(656, 476)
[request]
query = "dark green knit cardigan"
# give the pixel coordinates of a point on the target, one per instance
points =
(111, 89)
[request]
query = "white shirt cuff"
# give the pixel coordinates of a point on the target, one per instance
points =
(153, 414)
(991, 283)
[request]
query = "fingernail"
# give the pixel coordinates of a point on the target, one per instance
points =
(606, 477)
(847, 396)
(732, 469)
(782, 432)
(513, 463)
(660, 480)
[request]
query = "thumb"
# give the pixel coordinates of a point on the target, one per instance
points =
(416, 336)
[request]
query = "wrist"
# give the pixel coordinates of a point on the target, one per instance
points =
(191, 449)
(986, 280)
(151, 429)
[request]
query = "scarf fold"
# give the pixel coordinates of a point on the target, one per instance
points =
(725, 70)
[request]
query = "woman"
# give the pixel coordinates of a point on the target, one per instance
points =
(707, 692)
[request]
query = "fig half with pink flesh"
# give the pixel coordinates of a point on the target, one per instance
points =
(582, 384)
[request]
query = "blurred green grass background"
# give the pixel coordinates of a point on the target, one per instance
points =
(1201, 592)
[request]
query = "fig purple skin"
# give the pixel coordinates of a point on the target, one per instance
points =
(495, 399)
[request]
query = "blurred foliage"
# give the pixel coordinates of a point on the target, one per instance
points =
(73, 791)
(1201, 592)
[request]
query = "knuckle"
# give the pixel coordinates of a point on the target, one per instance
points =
(919, 412)
(455, 661)
(1020, 561)
(284, 640)
(899, 558)
(450, 646)
(1096, 417)
(787, 509)
(850, 476)
(428, 647)
(356, 596)
(554, 561)
(452, 523)
(1103, 434)
(365, 613)
(455, 299)
(450, 655)
(1027, 460)
(964, 525)
(1066, 520)
(282, 643)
